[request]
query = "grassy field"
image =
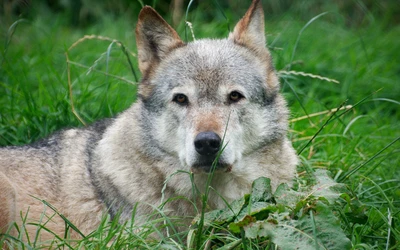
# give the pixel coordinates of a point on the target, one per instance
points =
(339, 64)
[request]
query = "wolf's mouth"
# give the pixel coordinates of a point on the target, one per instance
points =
(206, 166)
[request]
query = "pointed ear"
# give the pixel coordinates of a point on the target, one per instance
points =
(249, 31)
(155, 38)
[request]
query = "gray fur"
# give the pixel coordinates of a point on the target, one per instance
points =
(116, 164)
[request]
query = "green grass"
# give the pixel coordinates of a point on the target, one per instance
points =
(357, 46)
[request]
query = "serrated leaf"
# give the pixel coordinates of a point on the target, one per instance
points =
(322, 231)
(227, 214)
(267, 227)
(287, 196)
(252, 213)
(261, 190)
(236, 226)
(329, 234)
(326, 187)
(260, 210)
(261, 207)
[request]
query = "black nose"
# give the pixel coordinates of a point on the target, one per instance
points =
(207, 143)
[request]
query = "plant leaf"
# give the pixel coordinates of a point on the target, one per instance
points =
(261, 190)
(326, 187)
(227, 214)
(287, 196)
(287, 233)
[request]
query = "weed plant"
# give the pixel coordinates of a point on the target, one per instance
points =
(339, 68)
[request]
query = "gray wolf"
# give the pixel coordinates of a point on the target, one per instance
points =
(194, 99)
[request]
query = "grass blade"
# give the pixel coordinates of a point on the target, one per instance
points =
(186, 18)
(351, 172)
(300, 33)
(321, 128)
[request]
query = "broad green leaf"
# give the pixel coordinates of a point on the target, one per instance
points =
(226, 214)
(287, 196)
(321, 231)
(235, 226)
(326, 187)
(252, 213)
(329, 234)
(260, 210)
(261, 190)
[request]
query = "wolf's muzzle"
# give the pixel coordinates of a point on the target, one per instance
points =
(207, 143)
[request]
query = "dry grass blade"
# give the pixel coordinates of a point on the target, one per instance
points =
(96, 37)
(300, 73)
(330, 111)
(102, 72)
(190, 25)
(71, 99)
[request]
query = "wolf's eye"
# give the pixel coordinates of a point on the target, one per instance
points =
(235, 96)
(180, 99)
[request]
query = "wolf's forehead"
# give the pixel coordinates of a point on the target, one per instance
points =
(212, 63)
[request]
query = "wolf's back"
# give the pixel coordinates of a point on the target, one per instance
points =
(55, 170)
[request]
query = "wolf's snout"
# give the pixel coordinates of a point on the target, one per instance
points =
(207, 143)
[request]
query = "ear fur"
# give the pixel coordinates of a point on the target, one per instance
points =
(155, 38)
(249, 31)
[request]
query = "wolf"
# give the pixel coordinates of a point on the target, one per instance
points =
(205, 107)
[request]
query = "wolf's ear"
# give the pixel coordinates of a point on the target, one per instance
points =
(155, 38)
(249, 31)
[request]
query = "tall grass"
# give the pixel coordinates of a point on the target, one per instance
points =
(339, 72)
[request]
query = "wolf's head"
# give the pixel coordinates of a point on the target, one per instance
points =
(206, 95)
